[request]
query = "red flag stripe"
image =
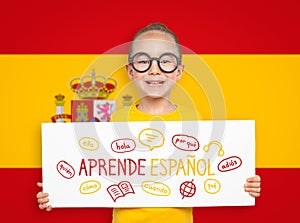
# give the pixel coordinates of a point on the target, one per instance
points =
(278, 202)
(206, 27)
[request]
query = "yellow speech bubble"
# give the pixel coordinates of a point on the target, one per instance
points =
(89, 187)
(151, 138)
(212, 186)
(156, 188)
(88, 143)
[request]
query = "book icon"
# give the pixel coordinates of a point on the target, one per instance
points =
(120, 190)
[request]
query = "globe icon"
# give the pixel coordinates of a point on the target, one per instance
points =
(187, 189)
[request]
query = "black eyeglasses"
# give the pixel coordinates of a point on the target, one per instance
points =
(167, 62)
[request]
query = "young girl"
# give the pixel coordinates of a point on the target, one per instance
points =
(155, 67)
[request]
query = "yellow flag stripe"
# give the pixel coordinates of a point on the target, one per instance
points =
(260, 87)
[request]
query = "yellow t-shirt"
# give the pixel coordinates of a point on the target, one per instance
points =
(153, 215)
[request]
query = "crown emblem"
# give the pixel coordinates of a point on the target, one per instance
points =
(127, 97)
(94, 86)
(127, 100)
(60, 100)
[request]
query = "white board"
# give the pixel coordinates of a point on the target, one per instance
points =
(148, 164)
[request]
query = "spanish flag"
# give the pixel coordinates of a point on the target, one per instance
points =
(252, 47)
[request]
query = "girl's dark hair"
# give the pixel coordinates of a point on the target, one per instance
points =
(157, 27)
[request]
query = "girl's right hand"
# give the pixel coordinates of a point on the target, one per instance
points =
(43, 199)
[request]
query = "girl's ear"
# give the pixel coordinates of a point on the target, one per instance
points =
(129, 71)
(179, 71)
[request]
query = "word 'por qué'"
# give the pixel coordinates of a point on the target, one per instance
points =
(185, 142)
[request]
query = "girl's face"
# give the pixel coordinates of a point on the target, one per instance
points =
(155, 82)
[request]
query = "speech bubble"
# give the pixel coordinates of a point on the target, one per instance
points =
(151, 138)
(156, 188)
(65, 169)
(89, 187)
(123, 145)
(229, 163)
(88, 143)
(212, 186)
(185, 142)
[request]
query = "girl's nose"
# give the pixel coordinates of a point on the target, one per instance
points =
(154, 69)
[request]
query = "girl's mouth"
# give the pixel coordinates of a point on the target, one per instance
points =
(154, 83)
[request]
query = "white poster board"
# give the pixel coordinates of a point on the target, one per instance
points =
(148, 164)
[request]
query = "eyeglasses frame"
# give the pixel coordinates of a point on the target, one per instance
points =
(178, 60)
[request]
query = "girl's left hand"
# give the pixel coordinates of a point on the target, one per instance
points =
(253, 186)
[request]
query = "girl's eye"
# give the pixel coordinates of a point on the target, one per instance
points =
(143, 61)
(165, 61)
